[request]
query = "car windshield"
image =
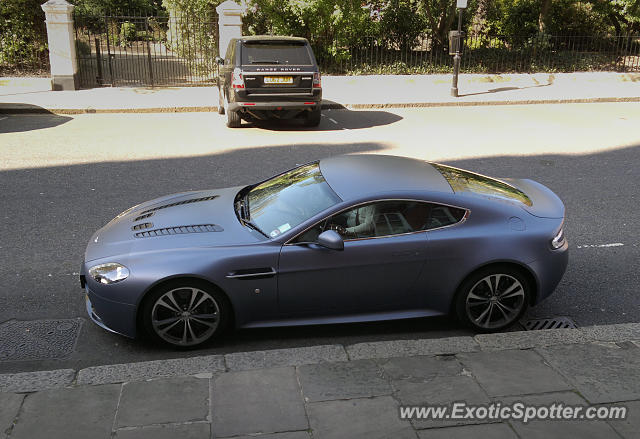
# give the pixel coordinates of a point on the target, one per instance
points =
(293, 53)
(289, 199)
(461, 181)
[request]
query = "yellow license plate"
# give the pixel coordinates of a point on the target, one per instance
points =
(278, 79)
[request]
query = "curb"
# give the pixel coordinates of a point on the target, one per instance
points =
(326, 106)
(26, 382)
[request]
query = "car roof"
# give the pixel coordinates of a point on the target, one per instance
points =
(355, 176)
(272, 38)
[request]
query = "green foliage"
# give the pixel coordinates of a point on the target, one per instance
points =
(23, 38)
(100, 8)
(127, 32)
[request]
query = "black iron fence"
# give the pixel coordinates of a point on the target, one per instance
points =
(146, 50)
(482, 54)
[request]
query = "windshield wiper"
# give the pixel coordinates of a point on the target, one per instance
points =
(242, 206)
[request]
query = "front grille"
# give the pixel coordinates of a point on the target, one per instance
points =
(178, 203)
(178, 230)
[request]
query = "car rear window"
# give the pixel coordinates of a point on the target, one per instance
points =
(274, 53)
(461, 181)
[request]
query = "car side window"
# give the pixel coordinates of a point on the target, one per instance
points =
(385, 218)
(442, 216)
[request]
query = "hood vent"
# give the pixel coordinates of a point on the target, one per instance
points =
(178, 203)
(142, 226)
(141, 217)
(179, 230)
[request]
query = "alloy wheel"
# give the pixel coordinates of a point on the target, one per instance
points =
(185, 316)
(495, 301)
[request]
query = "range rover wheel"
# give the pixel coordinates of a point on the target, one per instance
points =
(312, 118)
(184, 314)
(233, 119)
(493, 299)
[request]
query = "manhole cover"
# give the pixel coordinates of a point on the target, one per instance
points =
(548, 323)
(38, 339)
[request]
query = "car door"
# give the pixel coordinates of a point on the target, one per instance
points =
(384, 253)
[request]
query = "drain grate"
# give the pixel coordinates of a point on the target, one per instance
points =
(549, 323)
(38, 339)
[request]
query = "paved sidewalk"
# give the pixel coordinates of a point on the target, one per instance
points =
(337, 391)
(33, 95)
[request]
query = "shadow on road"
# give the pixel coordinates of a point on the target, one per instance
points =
(28, 121)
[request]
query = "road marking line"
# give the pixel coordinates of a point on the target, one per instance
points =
(615, 244)
(333, 120)
(3, 118)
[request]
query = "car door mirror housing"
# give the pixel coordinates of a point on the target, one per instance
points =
(331, 239)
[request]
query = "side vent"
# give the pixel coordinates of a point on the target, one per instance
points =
(142, 226)
(141, 217)
(178, 203)
(179, 230)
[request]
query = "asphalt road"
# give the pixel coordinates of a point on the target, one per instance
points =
(63, 177)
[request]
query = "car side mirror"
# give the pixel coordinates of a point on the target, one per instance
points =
(219, 60)
(330, 239)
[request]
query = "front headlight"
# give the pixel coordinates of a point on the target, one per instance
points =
(109, 273)
(558, 240)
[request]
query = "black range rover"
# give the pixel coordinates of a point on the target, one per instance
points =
(265, 77)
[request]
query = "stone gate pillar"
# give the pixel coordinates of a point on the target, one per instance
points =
(229, 24)
(62, 47)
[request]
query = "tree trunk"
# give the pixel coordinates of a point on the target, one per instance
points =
(545, 5)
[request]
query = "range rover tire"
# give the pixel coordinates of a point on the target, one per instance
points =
(312, 118)
(233, 119)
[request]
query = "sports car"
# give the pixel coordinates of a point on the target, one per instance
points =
(345, 239)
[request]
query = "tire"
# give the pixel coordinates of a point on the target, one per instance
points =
(177, 326)
(493, 299)
(312, 119)
(233, 119)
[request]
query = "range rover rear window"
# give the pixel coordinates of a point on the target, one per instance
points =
(461, 181)
(276, 53)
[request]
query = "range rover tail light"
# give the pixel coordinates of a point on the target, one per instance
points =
(317, 80)
(237, 81)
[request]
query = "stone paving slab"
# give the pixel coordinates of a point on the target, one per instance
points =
(544, 429)
(77, 413)
(421, 368)
(182, 431)
(9, 405)
(440, 391)
(410, 348)
(35, 381)
(345, 380)
(489, 431)
(168, 400)
(285, 357)
(628, 428)
(367, 418)
(600, 372)
(268, 401)
(119, 373)
(516, 372)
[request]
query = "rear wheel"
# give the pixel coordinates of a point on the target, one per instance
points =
(312, 118)
(185, 314)
(493, 299)
(233, 119)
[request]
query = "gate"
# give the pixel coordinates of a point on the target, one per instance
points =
(146, 50)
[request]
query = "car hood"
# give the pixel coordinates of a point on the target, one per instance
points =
(189, 219)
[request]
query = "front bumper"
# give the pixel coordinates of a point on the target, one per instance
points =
(119, 318)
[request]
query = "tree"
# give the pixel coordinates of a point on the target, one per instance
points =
(23, 35)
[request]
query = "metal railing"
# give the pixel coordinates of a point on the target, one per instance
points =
(482, 54)
(146, 50)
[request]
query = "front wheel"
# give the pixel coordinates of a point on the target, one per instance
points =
(185, 314)
(493, 299)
